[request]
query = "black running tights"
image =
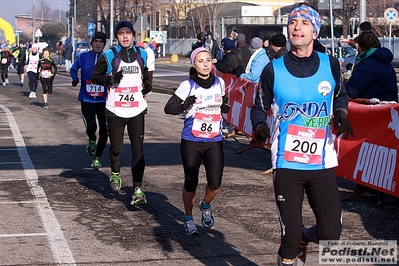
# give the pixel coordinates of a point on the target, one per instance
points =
(89, 112)
(135, 129)
(4, 72)
(323, 197)
(47, 85)
(211, 153)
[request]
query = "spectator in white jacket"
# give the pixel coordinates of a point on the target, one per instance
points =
(150, 58)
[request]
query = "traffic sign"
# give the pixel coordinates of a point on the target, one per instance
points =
(141, 24)
(91, 27)
(38, 33)
(18, 31)
(325, 4)
(391, 14)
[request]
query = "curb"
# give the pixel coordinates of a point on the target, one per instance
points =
(163, 61)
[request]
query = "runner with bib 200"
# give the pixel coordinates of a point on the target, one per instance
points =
(303, 90)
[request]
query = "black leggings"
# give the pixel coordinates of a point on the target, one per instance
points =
(135, 129)
(323, 197)
(211, 153)
(20, 69)
(32, 81)
(89, 113)
(47, 85)
(4, 72)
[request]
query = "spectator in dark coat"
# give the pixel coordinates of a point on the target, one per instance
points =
(279, 45)
(373, 76)
(244, 49)
(200, 41)
(232, 60)
(67, 54)
(211, 44)
(268, 48)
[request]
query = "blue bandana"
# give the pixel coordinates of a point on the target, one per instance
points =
(308, 13)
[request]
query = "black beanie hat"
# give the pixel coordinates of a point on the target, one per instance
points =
(279, 40)
(365, 25)
(122, 24)
(99, 35)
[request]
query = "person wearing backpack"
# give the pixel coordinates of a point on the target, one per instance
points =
(123, 69)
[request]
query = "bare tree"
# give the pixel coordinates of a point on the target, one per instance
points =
(350, 11)
(198, 17)
(213, 8)
(43, 10)
(375, 11)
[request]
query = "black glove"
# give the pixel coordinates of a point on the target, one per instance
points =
(52, 78)
(341, 123)
(262, 132)
(147, 85)
(189, 101)
(114, 79)
(225, 107)
(37, 76)
(75, 82)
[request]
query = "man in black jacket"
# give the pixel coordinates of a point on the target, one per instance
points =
(20, 57)
(211, 44)
(244, 49)
(279, 45)
(232, 60)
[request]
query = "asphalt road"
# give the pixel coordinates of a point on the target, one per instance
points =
(55, 210)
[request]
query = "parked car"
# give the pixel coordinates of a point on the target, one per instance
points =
(349, 55)
(81, 47)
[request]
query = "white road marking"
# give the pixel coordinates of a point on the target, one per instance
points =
(58, 244)
(22, 235)
(156, 75)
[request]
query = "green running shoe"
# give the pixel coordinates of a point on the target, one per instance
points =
(115, 181)
(96, 164)
(91, 147)
(138, 197)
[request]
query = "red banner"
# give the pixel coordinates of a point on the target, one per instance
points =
(241, 94)
(370, 158)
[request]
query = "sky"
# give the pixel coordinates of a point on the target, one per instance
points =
(11, 8)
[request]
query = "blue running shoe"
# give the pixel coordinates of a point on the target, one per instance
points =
(190, 228)
(207, 219)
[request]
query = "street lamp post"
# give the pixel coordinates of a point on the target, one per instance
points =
(59, 11)
(73, 30)
(111, 22)
(33, 23)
